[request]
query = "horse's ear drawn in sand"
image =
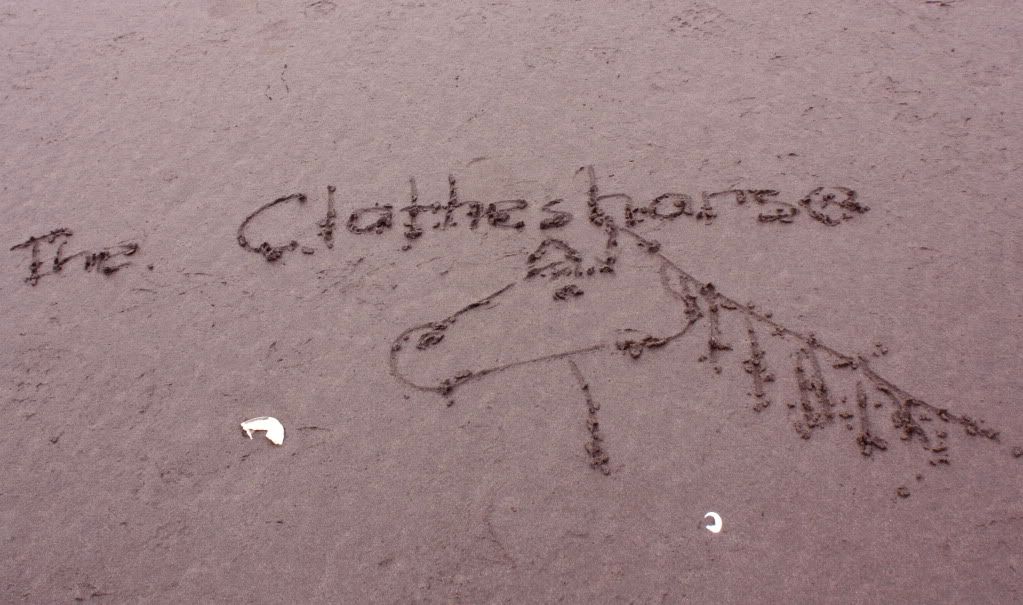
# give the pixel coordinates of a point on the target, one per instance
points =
(785, 367)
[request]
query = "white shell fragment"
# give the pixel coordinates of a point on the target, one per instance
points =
(273, 427)
(714, 527)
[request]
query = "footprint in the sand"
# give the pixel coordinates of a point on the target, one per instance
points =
(320, 9)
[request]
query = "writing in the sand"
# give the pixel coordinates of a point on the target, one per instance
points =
(106, 261)
(816, 373)
(830, 206)
(610, 212)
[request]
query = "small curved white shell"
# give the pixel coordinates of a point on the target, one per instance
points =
(714, 527)
(273, 427)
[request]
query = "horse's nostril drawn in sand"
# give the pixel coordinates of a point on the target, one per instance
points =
(819, 385)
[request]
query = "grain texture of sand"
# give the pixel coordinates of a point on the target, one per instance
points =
(532, 287)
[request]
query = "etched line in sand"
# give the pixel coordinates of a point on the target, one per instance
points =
(594, 446)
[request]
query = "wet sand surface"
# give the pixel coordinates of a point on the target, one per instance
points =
(782, 284)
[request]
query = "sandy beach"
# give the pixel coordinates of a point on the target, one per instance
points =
(532, 287)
